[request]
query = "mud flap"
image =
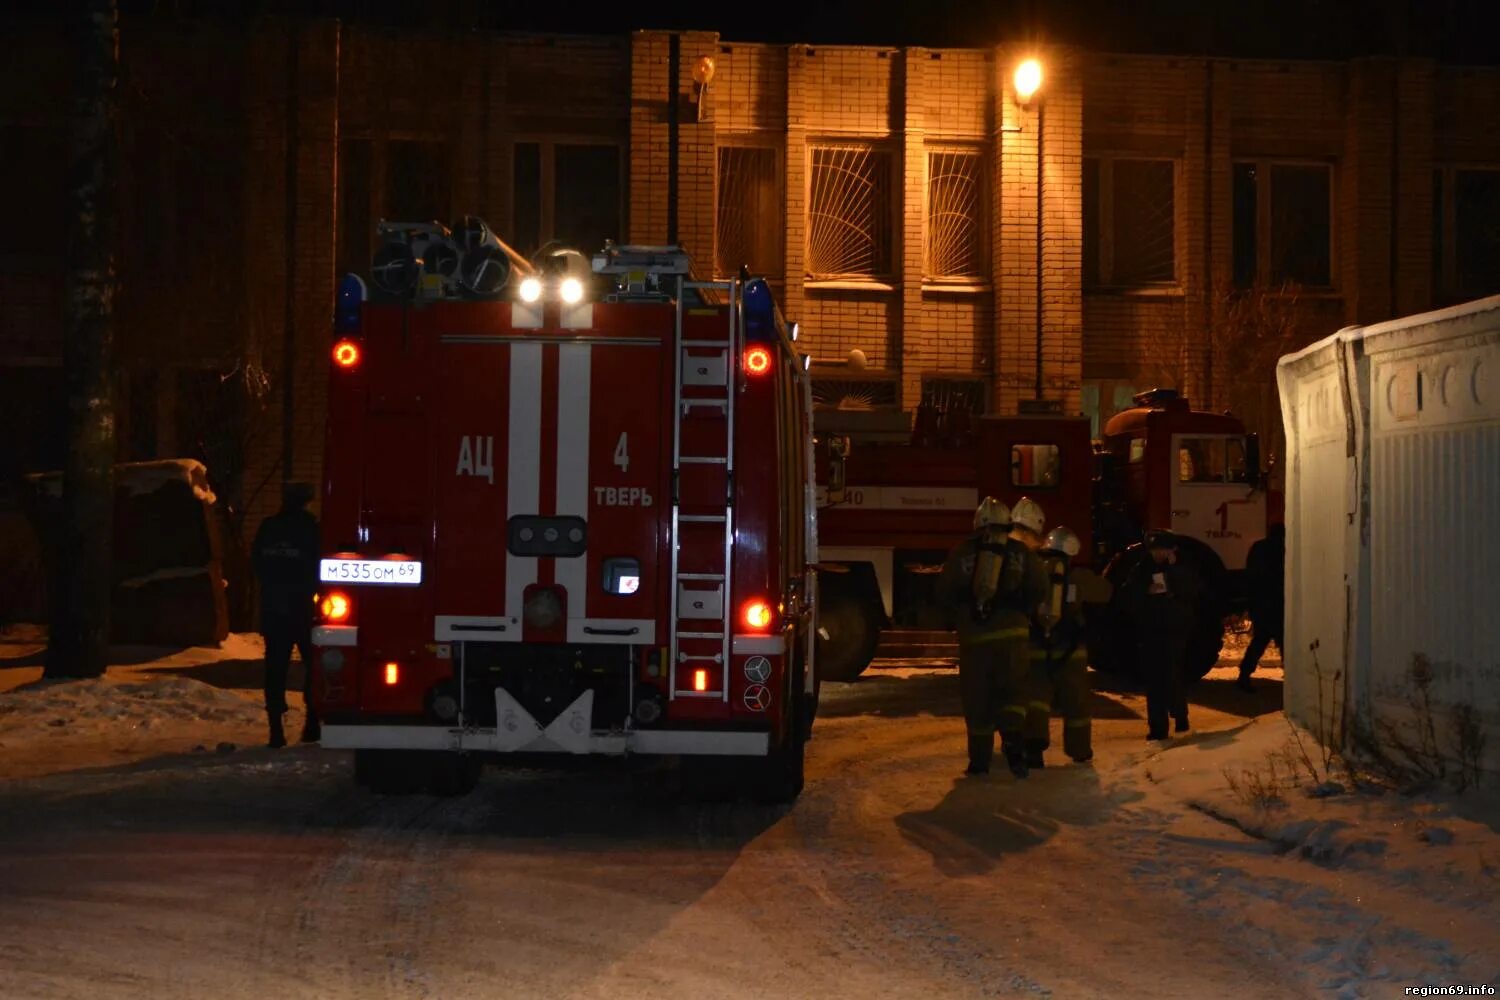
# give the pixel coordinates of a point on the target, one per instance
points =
(572, 730)
(516, 728)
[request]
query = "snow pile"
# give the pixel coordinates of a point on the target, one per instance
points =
(1369, 887)
(104, 705)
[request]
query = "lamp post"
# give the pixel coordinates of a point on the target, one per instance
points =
(1028, 83)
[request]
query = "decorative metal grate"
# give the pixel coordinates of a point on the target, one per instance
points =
(955, 214)
(951, 394)
(1144, 235)
(850, 204)
(846, 393)
(749, 212)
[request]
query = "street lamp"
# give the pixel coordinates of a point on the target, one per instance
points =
(1028, 80)
(1028, 83)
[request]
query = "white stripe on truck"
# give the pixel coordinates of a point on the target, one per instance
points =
(575, 383)
(523, 464)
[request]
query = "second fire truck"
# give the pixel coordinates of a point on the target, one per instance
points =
(565, 513)
(892, 509)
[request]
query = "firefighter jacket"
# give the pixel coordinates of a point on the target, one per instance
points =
(1081, 587)
(285, 554)
(1023, 587)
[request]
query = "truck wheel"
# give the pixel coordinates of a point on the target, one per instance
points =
(853, 628)
(453, 774)
(388, 772)
(778, 778)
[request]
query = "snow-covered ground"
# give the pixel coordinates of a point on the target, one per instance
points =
(131, 866)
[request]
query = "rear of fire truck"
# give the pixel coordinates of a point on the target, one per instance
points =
(564, 513)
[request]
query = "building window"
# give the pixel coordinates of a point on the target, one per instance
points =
(955, 215)
(1466, 233)
(1129, 222)
(748, 220)
(356, 230)
(850, 213)
(417, 181)
(568, 193)
(1283, 224)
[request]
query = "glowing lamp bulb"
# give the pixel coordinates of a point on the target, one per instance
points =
(571, 291)
(756, 614)
(392, 674)
(346, 354)
(531, 290)
(757, 360)
(700, 680)
(1028, 79)
(336, 607)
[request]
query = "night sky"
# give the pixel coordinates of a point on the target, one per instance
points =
(1456, 31)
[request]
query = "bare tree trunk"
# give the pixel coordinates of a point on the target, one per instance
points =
(81, 595)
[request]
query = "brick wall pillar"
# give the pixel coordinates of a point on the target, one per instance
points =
(1416, 101)
(1058, 109)
(650, 93)
(313, 111)
(796, 179)
(1363, 241)
(909, 352)
(696, 157)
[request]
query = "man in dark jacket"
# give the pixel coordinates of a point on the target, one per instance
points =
(1161, 594)
(285, 554)
(1265, 567)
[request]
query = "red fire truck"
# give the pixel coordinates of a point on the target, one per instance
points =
(566, 513)
(890, 511)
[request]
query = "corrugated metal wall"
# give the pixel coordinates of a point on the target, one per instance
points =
(1318, 505)
(1401, 506)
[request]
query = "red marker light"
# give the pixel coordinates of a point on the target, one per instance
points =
(392, 674)
(756, 615)
(336, 607)
(700, 680)
(757, 360)
(346, 354)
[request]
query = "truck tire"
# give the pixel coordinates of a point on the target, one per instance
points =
(453, 774)
(852, 622)
(388, 772)
(1111, 634)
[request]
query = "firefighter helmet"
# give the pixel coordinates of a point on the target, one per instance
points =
(1062, 540)
(1027, 513)
(991, 513)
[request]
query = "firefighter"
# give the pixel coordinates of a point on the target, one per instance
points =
(1059, 656)
(990, 584)
(1161, 593)
(1265, 569)
(285, 555)
(1027, 521)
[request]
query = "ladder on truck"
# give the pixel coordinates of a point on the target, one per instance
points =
(701, 636)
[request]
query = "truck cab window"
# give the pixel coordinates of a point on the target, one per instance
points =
(1238, 467)
(1035, 465)
(1202, 460)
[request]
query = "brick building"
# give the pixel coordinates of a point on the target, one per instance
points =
(1194, 214)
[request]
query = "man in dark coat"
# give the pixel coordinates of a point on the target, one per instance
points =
(285, 555)
(1265, 567)
(1161, 593)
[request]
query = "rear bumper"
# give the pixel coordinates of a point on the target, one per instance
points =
(645, 741)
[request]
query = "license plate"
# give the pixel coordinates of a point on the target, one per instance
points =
(403, 572)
